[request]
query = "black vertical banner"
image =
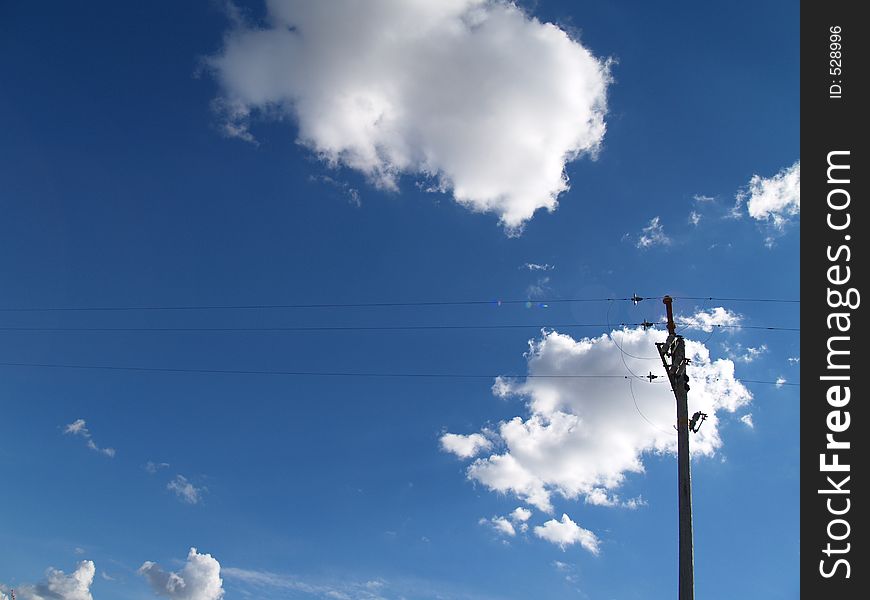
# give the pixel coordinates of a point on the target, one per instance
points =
(835, 378)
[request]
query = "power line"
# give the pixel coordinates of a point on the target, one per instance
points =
(495, 302)
(391, 304)
(778, 383)
(345, 328)
(719, 299)
(366, 374)
(314, 373)
(298, 328)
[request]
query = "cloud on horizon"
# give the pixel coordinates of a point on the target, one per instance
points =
(58, 585)
(199, 579)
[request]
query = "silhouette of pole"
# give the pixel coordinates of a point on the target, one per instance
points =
(675, 349)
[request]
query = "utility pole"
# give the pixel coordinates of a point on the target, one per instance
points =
(674, 348)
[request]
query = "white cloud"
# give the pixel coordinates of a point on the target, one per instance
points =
(539, 289)
(79, 428)
(60, 586)
(200, 579)
(747, 420)
(501, 525)
(694, 217)
(152, 467)
(560, 566)
(465, 446)
(634, 503)
(753, 353)
(776, 199)
(583, 436)
(476, 95)
(745, 354)
(566, 532)
(185, 490)
(600, 497)
(516, 520)
(781, 381)
(794, 360)
(706, 320)
(653, 235)
(538, 267)
(521, 514)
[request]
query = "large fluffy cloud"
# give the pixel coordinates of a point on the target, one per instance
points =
(776, 198)
(60, 586)
(200, 579)
(477, 95)
(582, 436)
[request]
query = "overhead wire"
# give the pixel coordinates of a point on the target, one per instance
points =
(386, 304)
(640, 412)
(372, 374)
(366, 374)
(721, 299)
(355, 328)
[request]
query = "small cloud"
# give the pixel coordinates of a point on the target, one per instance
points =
(521, 514)
(78, 551)
(520, 517)
(634, 503)
(653, 235)
(747, 420)
(781, 381)
(152, 467)
(743, 354)
(106, 577)
(694, 217)
(560, 566)
(464, 446)
(600, 497)
(776, 199)
(79, 428)
(707, 320)
(702, 199)
(566, 532)
(501, 525)
(538, 267)
(351, 193)
(794, 360)
(185, 490)
(538, 289)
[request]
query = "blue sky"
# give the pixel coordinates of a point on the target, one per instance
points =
(144, 165)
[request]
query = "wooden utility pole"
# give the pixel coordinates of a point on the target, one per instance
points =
(674, 348)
